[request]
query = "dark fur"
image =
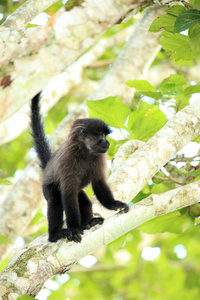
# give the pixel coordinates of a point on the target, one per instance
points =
(78, 162)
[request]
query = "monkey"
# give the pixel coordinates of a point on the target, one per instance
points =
(80, 160)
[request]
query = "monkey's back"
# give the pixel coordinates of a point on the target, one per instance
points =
(73, 167)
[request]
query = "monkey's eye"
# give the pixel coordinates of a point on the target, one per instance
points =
(83, 133)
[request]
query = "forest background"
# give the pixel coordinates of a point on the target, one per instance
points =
(137, 64)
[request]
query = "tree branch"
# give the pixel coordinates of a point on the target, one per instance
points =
(26, 12)
(142, 165)
(125, 182)
(25, 198)
(40, 260)
(133, 61)
(123, 152)
(68, 33)
(19, 122)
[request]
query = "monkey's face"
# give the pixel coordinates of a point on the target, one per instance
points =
(97, 143)
(91, 134)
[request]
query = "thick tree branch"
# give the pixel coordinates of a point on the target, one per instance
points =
(133, 61)
(125, 182)
(24, 199)
(40, 260)
(123, 152)
(26, 12)
(19, 122)
(51, 48)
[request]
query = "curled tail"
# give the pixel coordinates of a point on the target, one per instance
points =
(41, 143)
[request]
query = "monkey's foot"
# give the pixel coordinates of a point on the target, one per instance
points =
(93, 222)
(121, 206)
(72, 234)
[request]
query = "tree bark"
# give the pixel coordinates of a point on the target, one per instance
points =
(25, 198)
(12, 127)
(67, 33)
(126, 181)
(133, 61)
(25, 13)
(40, 260)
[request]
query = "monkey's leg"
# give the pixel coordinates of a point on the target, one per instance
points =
(54, 212)
(73, 216)
(105, 196)
(85, 205)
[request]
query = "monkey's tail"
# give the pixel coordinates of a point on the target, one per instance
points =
(41, 142)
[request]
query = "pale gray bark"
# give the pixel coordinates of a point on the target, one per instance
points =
(125, 182)
(25, 198)
(12, 127)
(144, 163)
(67, 33)
(124, 151)
(40, 260)
(133, 61)
(26, 12)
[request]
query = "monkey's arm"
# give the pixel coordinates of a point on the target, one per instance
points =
(105, 196)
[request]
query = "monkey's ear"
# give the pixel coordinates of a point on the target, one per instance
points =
(83, 133)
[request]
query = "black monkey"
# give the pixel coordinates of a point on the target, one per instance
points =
(80, 160)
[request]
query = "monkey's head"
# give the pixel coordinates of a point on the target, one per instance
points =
(91, 134)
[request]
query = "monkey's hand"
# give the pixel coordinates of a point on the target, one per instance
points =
(121, 206)
(93, 222)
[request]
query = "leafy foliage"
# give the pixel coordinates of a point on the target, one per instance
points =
(174, 86)
(171, 222)
(186, 19)
(25, 297)
(122, 272)
(176, 20)
(4, 239)
(145, 121)
(111, 110)
(142, 124)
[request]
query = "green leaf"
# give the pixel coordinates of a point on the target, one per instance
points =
(163, 22)
(4, 181)
(176, 44)
(161, 187)
(196, 4)
(175, 10)
(177, 79)
(165, 99)
(186, 19)
(170, 89)
(182, 102)
(171, 222)
(145, 121)
(154, 95)
(194, 40)
(172, 85)
(4, 240)
(197, 139)
(142, 194)
(118, 243)
(112, 110)
(192, 90)
(140, 85)
(195, 210)
(25, 297)
(144, 88)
